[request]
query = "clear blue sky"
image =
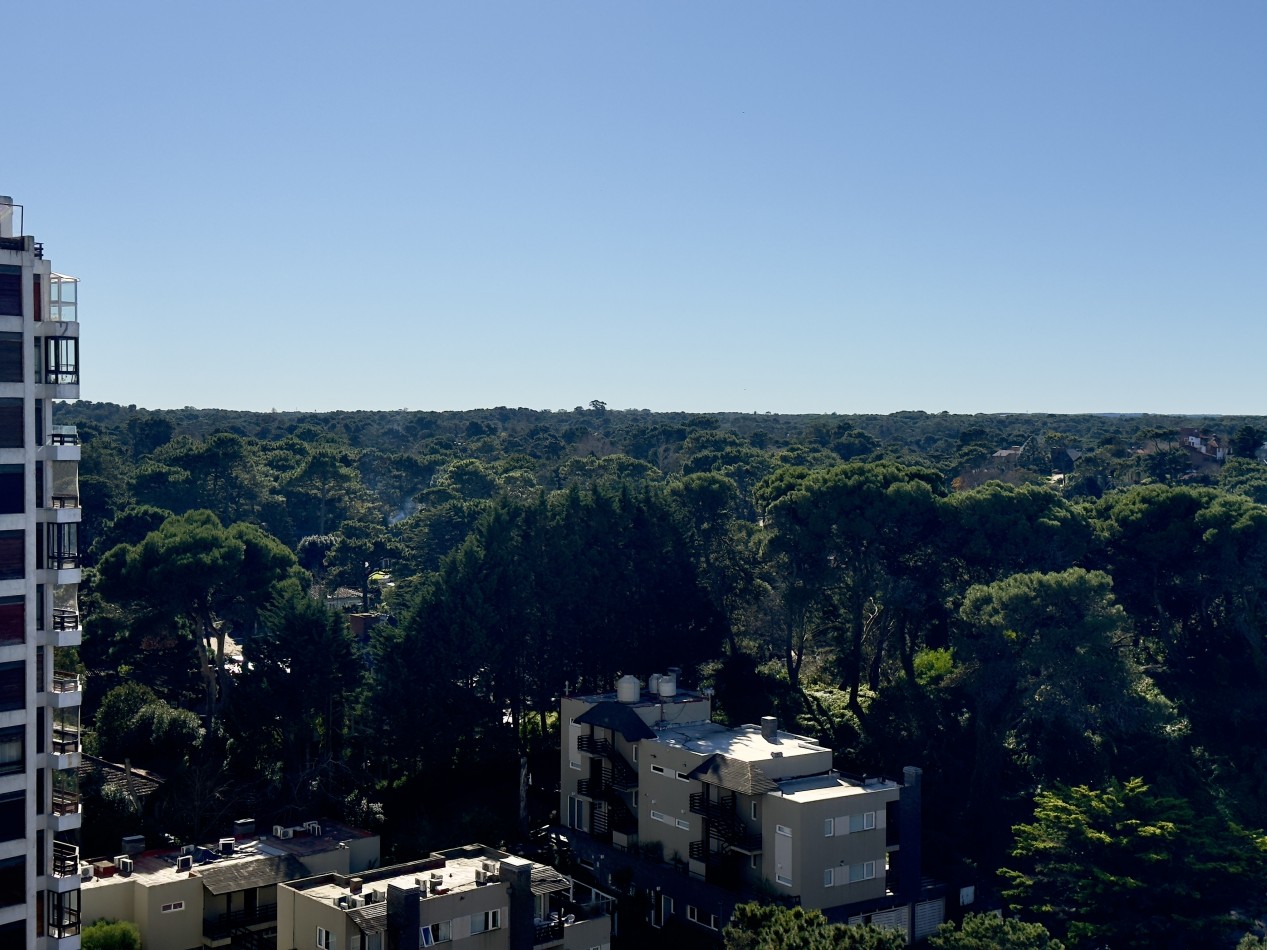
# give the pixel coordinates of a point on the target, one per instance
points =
(793, 207)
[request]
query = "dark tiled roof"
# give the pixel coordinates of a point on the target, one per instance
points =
(617, 717)
(259, 872)
(371, 918)
(733, 774)
(546, 880)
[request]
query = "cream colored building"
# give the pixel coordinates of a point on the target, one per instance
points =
(752, 809)
(39, 582)
(221, 895)
(474, 898)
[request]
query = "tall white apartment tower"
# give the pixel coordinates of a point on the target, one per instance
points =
(39, 612)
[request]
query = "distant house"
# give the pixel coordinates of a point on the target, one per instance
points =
(1207, 445)
(1004, 455)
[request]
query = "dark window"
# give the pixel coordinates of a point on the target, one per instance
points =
(10, 290)
(12, 554)
(11, 434)
(12, 620)
(61, 363)
(12, 686)
(12, 485)
(12, 816)
(10, 357)
(12, 881)
(37, 297)
(12, 750)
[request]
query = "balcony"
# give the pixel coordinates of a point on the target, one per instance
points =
(724, 823)
(61, 445)
(622, 775)
(590, 787)
(65, 740)
(63, 922)
(63, 435)
(231, 923)
(65, 691)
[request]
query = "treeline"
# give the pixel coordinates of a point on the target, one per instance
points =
(1085, 612)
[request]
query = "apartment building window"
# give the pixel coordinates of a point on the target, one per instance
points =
(12, 489)
(173, 907)
(61, 360)
(695, 917)
(12, 435)
(851, 824)
(13, 881)
(829, 877)
(488, 920)
(12, 686)
(325, 939)
(658, 769)
(684, 824)
(13, 816)
(12, 555)
(682, 776)
(783, 855)
(10, 357)
(11, 290)
(752, 810)
(661, 816)
(12, 620)
(829, 827)
(861, 872)
(635, 755)
(12, 750)
(440, 932)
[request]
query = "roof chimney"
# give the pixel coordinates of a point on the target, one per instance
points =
(769, 728)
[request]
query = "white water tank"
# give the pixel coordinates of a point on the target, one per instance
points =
(668, 685)
(628, 689)
(653, 684)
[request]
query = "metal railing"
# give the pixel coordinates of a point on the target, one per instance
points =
(224, 925)
(65, 802)
(63, 435)
(65, 859)
(65, 740)
(65, 619)
(64, 501)
(547, 931)
(63, 560)
(65, 682)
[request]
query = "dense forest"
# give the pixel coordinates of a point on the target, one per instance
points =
(1061, 619)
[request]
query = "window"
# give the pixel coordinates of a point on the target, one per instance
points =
(325, 939)
(440, 932)
(753, 810)
(752, 861)
(174, 906)
(10, 357)
(12, 555)
(13, 816)
(12, 419)
(635, 755)
(12, 685)
(488, 920)
(828, 827)
(682, 777)
(862, 822)
(829, 877)
(10, 290)
(658, 769)
(61, 360)
(12, 620)
(13, 881)
(12, 489)
(692, 914)
(12, 750)
(684, 824)
(661, 816)
(861, 872)
(783, 879)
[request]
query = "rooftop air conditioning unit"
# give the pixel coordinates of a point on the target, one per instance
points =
(354, 902)
(312, 827)
(481, 876)
(185, 862)
(124, 864)
(86, 873)
(226, 845)
(279, 831)
(186, 849)
(287, 833)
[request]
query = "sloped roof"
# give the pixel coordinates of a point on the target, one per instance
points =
(371, 918)
(258, 872)
(546, 879)
(617, 717)
(733, 774)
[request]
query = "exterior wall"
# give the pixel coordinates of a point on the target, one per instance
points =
(666, 794)
(178, 929)
(587, 933)
(813, 852)
(365, 853)
(113, 901)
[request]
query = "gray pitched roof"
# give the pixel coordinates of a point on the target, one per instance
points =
(257, 872)
(733, 774)
(617, 717)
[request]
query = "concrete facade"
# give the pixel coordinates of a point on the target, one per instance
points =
(39, 580)
(754, 809)
(477, 897)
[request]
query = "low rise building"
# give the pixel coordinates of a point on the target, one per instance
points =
(478, 897)
(752, 810)
(222, 894)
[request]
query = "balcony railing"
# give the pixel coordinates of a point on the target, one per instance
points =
(65, 859)
(64, 501)
(590, 787)
(623, 776)
(63, 435)
(224, 925)
(65, 682)
(65, 619)
(547, 931)
(63, 560)
(65, 740)
(65, 802)
(63, 922)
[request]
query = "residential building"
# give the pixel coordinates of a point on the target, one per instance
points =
(223, 894)
(39, 581)
(478, 897)
(752, 810)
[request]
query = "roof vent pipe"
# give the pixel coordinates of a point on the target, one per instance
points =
(769, 728)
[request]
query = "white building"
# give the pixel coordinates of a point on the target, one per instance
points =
(39, 579)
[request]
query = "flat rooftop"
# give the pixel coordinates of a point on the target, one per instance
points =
(645, 698)
(158, 866)
(818, 787)
(745, 743)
